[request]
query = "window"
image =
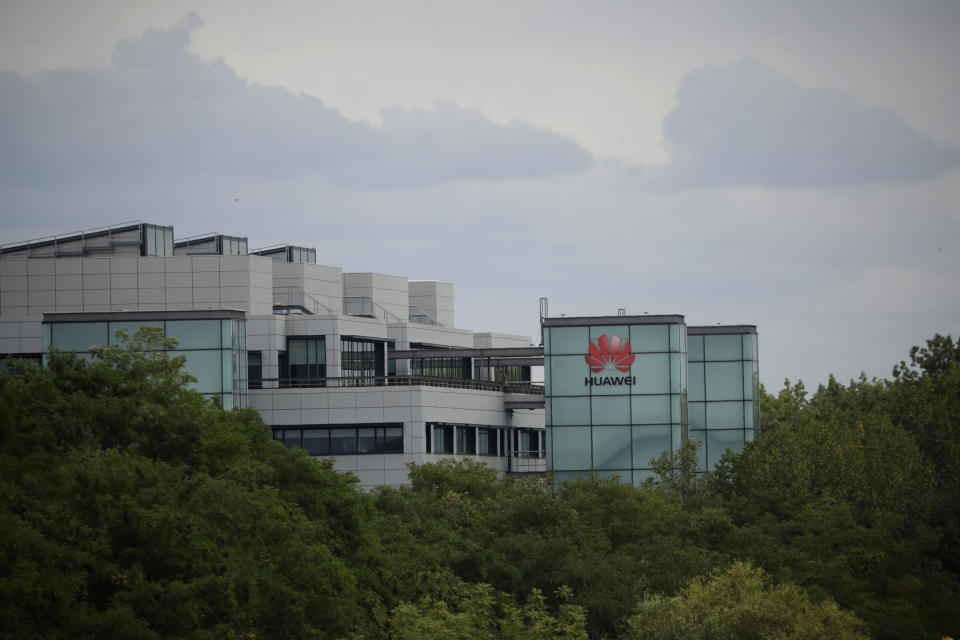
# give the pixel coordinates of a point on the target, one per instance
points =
(361, 361)
(458, 368)
(232, 246)
(440, 438)
(214, 348)
(487, 441)
(514, 373)
(301, 254)
(255, 369)
(289, 437)
(343, 441)
(470, 439)
(390, 439)
(527, 443)
(317, 441)
(306, 361)
(327, 440)
(521, 444)
(156, 241)
(467, 440)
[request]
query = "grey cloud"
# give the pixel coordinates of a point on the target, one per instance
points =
(746, 124)
(162, 112)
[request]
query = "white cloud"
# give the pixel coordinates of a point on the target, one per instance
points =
(746, 124)
(838, 280)
(163, 113)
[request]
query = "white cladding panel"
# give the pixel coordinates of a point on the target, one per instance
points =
(319, 283)
(388, 292)
(41, 285)
(434, 298)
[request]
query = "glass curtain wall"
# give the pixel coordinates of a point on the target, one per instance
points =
(157, 241)
(306, 362)
(301, 254)
(215, 349)
(361, 362)
(626, 405)
(458, 368)
(233, 246)
(724, 387)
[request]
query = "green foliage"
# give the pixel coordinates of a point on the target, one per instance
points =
(677, 472)
(130, 507)
(876, 468)
(460, 477)
(925, 401)
(739, 604)
(849, 494)
(133, 508)
(477, 612)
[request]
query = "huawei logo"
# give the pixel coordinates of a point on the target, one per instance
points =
(609, 350)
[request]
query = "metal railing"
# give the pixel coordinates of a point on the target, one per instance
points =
(271, 247)
(531, 454)
(418, 315)
(534, 462)
(362, 306)
(294, 296)
(366, 307)
(197, 236)
(47, 240)
(529, 388)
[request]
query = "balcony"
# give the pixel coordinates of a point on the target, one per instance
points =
(518, 388)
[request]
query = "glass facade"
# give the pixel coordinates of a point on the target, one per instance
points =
(724, 386)
(302, 254)
(233, 246)
(458, 368)
(612, 406)
(156, 240)
(215, 349)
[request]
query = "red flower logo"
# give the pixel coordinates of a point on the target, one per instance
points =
(604, 351)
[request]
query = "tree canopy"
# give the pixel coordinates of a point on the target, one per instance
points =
(131, 507)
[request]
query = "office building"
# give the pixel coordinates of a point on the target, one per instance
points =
(371, 370)
(621, 390)
(312, 349)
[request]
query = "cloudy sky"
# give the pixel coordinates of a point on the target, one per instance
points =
(790, 165)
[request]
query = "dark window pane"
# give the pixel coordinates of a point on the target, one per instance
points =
(466, 440)
(442, 439)
(486, 442)
(254, 369)
(291, 437)
(317, 441)
(391, 440)
(366, 441)
(343, 441)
